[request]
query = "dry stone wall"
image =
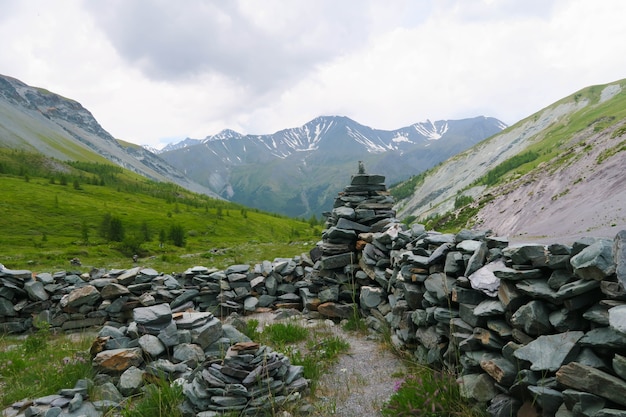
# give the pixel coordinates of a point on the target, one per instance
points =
(529, 329)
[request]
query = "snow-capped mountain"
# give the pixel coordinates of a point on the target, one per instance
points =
(293, 170)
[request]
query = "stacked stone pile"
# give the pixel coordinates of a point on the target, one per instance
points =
(70, 301)
(363, 210)
(219, 368)
(528, 327)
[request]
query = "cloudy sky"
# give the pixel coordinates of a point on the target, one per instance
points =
(157, 71)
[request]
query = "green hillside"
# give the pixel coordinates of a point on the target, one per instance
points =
(579, 132)
(52, 211)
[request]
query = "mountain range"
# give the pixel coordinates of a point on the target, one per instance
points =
(299, 171)
(557, 174)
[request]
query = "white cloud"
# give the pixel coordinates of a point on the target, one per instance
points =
(150, 70)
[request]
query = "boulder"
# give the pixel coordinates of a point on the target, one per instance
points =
(595, 261)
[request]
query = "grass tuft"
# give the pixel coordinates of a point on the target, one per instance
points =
(40, 365)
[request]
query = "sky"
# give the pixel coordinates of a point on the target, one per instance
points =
(154, 72)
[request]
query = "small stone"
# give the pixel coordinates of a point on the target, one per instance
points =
(479, 387)
(189, 353)
(533, 318)
(617, 318)
(118, 360)
(131, 381)
(113, 290)
(371, 297)
(151, 345)
(36, 291)
(338, 310)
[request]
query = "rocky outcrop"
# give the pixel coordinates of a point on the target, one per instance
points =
(526, 327)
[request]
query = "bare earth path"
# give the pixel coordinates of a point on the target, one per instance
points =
(361, 381)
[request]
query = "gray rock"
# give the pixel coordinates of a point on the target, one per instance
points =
(153, 315)
(234, 335)
(588, 379)
(610, 412)
(604, 337)
(344, 223)
(36, 291)
(535, 255)
(413, 295)
(564, 320)
(250, 303)
(440, 253)
(489, 308)
(477, 260)
(533, 318)
(478, 387)
(128, 277)
(588, 357)
(329, 294)
(547, 398)
(207, 334)
(151, 345)
(503, 371)
(371, 297)
(485, 280)
(595, 261)
(87, 295)
(113, 290)
(168, 335)
(186, 296)
(189, 353)
(345, 212)
(619, 366)
(503, 406)
(271, 284)
(338, 261)
(334, 234)
(619, 253)
(266, 300)
(439, 238)
(130, 381)
(511, 274)
(191, 319)
(7, 309)
(617, 319)
(439, 285)
(550, 352)
(53, 412)
(454, 265)
(108, 392)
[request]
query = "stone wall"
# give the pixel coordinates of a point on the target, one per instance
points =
(529, 329)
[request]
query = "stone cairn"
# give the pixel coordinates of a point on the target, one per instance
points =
(528, 329)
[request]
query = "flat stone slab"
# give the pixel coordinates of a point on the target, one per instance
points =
(548, 353)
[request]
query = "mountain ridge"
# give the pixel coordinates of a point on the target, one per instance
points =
(35, 119)
(306, 160)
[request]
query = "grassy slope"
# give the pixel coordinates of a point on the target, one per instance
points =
(42, 225)
(552, 146)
